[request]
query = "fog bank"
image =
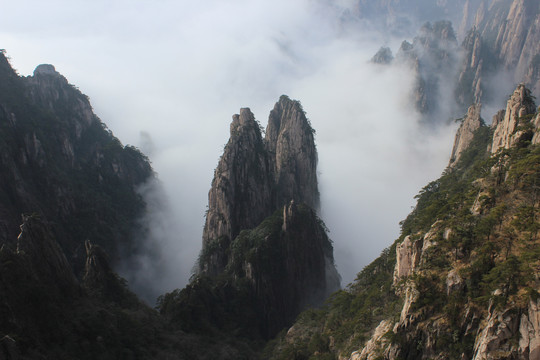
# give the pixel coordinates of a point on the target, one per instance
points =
(167, 76)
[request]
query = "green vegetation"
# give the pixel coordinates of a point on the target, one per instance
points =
(482, 216)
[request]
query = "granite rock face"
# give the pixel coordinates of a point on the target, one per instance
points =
(256, 176)
(465, 133)
(432, 55)
(507, 129)
(502, 40)
(261, 225)
(242, 189)
(291, 147)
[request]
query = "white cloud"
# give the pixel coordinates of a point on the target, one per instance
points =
(178, 70)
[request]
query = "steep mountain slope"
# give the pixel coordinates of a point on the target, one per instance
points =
(265, 252)
(462, 279)
(59, 161)
(256, 176)
(433, 56)
(499, 49)
(503, 39)
(75, 186)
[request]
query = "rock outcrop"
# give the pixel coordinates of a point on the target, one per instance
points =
(529, 331)
(376, 344)
(536, 123)
(408, 254)
(383, 56)
(256, 176)
(241, 193)
(465, 133)
(432, 55)
(291, 147)
(511, 128)
(261, 225)
(503, 39)
(496, 335)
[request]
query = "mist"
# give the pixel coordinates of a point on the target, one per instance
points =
(167, 76)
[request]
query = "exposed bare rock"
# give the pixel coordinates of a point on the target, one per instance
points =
(256, 177)
(503, 38)
(383, 56)
(529, 330)
(408, 255)
(376, 344)
(432, 55)
(465, 133)
(431, 237)
(411, 295)
(495, 339)
(291, 148)
(454, 282)
(506, 131)
(48, 88)
(261, 225)
(536, 123)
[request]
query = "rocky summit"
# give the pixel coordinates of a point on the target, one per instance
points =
(257, 176)
(261, 225)
(61, 162)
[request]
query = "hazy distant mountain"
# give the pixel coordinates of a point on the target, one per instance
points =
(402, 17)
(499, 50)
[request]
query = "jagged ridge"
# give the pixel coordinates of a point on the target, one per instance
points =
(462, 280)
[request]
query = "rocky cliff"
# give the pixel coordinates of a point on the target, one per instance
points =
(498, 49)
(60, 161)
(433, 56)
(465, 133)
(513, 124)
(257, 176)
(503, 39)
(262, 242)
(461, 282)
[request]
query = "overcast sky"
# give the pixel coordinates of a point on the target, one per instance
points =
(167, 76)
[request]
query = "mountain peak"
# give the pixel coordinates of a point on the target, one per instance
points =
(46, 69)
(507, 129)
(291, 144)
(465, 133)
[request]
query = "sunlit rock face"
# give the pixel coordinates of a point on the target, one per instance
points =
(506, 130)
(502, 41)
(432, 56)
(465, 133)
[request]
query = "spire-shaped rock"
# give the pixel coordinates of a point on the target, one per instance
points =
(291, 147)
(465, 133)
(254, 179)
(262, 235)
(506, 132)
(241, 193)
